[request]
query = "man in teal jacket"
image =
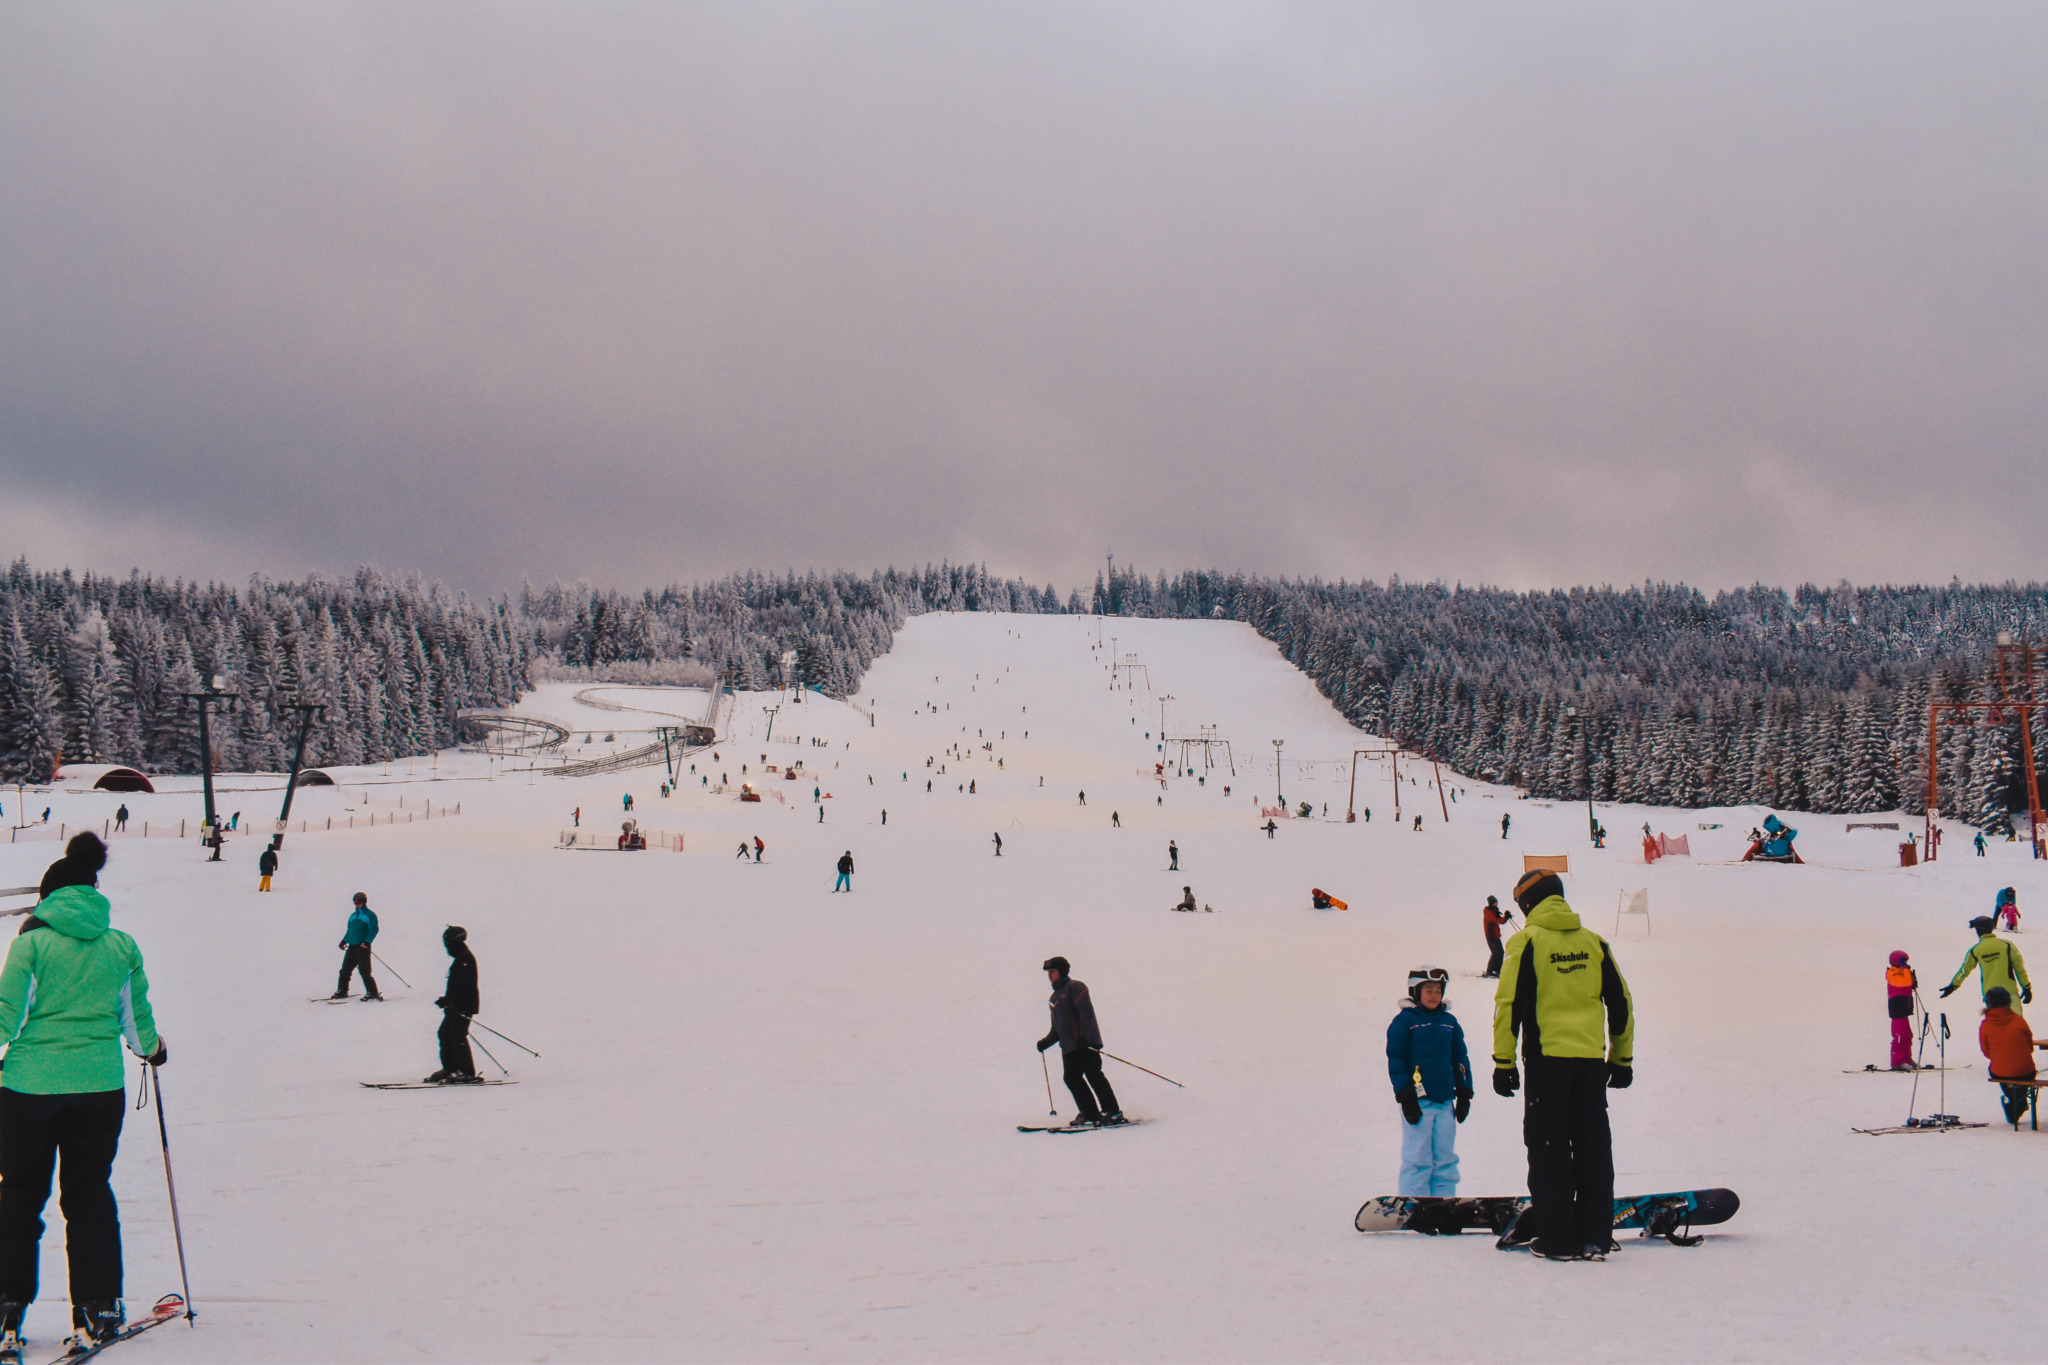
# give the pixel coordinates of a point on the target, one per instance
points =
(71, 991)
(356, 939)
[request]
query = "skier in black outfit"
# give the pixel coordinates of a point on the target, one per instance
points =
(1172, 856)
(1073, 1028)
(458, 1006)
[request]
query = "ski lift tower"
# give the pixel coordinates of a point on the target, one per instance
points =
(2019, 699)
(1278, 798)
(1393, 756)
(1131, 666)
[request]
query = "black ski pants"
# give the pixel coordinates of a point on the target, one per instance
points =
(1571, 1152)
(1082, 1071)
(35, 1132)
(356, 958)
(1495, 954)
(454, 1035)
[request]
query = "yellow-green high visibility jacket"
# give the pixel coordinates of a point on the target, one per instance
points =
(1560, 990)
(2000, 964)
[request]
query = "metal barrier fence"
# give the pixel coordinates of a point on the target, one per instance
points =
(189, 829)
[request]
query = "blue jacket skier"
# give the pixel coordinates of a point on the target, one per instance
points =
(1432, 1076)
(355, 949)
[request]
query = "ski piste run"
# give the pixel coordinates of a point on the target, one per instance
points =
(772, 1122)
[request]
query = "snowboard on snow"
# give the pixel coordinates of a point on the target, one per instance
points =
(431, 1085)
(1657, 1215)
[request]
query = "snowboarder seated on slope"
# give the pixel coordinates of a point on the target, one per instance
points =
(1073, 1028)
(356, 939)
(1558, 985)
(1900, 984)
(1490, 920)
(2006, 1040)
(1187, 899)
(1997, 963)
(1432, 1077)
(71, 991)
(458, 1007)
(845, 865)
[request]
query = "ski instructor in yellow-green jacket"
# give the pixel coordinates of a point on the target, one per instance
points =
(71, 991)
(1997, 961)
(1562, 993)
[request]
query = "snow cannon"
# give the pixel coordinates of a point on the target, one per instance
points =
(1776, 844)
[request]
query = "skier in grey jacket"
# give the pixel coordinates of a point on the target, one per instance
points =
(1080, 1040)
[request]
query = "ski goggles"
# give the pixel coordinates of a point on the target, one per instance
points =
(1422, 974)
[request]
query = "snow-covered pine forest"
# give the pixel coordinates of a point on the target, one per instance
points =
(1813, 699)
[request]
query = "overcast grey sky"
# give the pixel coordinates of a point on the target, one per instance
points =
(1525, 294)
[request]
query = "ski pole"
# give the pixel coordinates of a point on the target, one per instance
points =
(171, 1186)
(391, 969)
(495, 1034)
(1146, 1069)
(1051, 1109)
(487, 1052)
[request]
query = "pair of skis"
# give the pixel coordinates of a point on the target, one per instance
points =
(1080, 1127)
(79, 1349)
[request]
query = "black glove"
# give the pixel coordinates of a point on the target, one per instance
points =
(440, 1002)
(342, 946)
(1411, 1107)
(1947, 991)
(1620, 1075)
(1044, 1043)
(161, 1055)
(1462, 1105)
(2026, 995)
(1506, 1081)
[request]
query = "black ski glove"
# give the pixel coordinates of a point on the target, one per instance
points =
(161, 1055)
(1411, 1107)
(440, 1002)
(1947, 991)
(1506, 1081)
(1620, 1075)
(1044, 1043)
(1462, 1105)
(2026, 995)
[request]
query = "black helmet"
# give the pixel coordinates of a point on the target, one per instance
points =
(455, 933)
(1057, 964)
(1538, 884)
(1493, 900)
(1983, 924)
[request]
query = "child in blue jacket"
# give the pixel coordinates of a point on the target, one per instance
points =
(1432, 1078)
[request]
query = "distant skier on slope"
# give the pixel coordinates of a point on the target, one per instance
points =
(1504, 825)
(1172, 856)
(759, 848)
(845, 865)
(1080, 1040)
(266, 866)
(458, 1006)
(1426, 1049)
(1997, 963)
(2007, 908)
(1900, 984)
(72, 989)
(356, 937)
(1558, 986)
(999, 844)
(1491, 919)
(1269, 827)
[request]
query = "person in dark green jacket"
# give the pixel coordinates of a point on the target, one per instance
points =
(72, 990)
(1561, 991)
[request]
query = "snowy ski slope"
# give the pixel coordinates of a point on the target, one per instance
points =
(773, 1123)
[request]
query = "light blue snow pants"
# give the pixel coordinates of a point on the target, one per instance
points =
(1429, 1152)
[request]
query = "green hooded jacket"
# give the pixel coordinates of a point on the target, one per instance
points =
(2001, 965)
(72, 989)
(1559, 989)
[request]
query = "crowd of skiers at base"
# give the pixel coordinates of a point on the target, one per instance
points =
(72, 991)
(1562, 996)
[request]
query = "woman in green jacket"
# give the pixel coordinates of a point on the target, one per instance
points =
(72, 989)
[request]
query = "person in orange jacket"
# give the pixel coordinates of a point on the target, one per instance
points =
(1900, 982)
(2005, 1038)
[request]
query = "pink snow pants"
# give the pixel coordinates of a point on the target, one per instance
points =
(1902, 1042)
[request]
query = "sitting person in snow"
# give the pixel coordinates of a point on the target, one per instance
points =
(1432, 1076)
(1187, 899)
(630, 836)
(2006, 1040)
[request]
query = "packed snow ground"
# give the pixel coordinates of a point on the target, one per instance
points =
(773, 1123)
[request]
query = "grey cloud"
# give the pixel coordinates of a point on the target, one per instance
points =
(1532, 295)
